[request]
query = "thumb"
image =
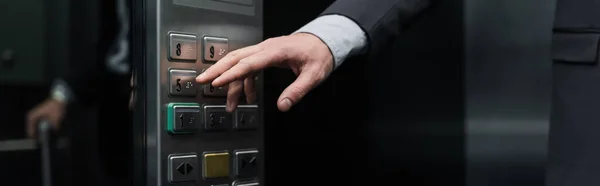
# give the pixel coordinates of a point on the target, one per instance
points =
(297, 90)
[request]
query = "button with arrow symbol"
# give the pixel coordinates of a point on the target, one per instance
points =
(185, 168)
(246, 163)
(182, 167)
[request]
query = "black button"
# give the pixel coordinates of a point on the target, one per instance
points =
(185, 168)
(246, 163)
(246, 117)
(216, 118)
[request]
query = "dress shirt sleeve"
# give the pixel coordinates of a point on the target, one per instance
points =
(342, 35)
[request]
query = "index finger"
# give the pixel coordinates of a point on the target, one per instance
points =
(249, 65)
(226, 63)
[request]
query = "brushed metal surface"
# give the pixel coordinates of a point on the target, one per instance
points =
(161, 18)
(508, 88)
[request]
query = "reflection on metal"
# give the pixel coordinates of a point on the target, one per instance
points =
(244, 7)
(17, 145)
(28, 144)
(508, 78)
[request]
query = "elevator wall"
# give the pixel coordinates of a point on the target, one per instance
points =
(396, 118)
(508, 81)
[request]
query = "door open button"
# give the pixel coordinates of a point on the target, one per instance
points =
(182, 167)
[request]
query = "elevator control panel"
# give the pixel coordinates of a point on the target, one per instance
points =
(190, 137)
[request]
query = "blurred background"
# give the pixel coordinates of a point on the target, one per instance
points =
(487, 106)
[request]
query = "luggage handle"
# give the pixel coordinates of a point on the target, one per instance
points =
(44, 135)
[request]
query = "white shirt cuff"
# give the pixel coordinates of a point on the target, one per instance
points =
(342, 35)
(60, 91)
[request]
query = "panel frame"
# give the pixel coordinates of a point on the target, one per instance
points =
(152, 21)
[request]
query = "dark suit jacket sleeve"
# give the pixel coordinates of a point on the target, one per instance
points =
(382, 20)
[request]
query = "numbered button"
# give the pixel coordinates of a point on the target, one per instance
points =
(182, 82)
(210, 90)
(183, 117)
(216, 118)
(214, 48)
(182, 47)
(246, 117)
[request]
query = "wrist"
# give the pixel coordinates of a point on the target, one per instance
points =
(61, 92)
(58, 97)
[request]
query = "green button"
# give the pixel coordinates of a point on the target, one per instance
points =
(183, 118)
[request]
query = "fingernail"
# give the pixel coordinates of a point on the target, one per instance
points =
(286, 104)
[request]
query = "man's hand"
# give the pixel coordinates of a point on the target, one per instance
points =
(51, 110)
(305, 54)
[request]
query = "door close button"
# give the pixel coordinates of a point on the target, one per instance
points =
(183, 47)
(183, 117)
(216, 118)
(246, 163)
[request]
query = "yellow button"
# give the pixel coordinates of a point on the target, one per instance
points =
(216, 165)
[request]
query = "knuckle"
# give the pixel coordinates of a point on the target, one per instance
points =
(270, 40)
(279, 54)
(319, 77)
(234, 53)
(231, 94)
(246, 64)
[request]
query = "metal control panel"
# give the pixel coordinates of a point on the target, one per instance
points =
(188, 137)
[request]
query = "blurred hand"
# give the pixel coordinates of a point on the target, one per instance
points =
(51, 110)
(305, 54)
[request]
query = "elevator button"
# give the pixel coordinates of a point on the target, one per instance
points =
(246, 117)
(216, 118)
(183, 167)
(250, 183)
(182, 82)
(245, 163)
(209, 90)
(215, 165)
(214, 48)
(183, 117)
(182, 47)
